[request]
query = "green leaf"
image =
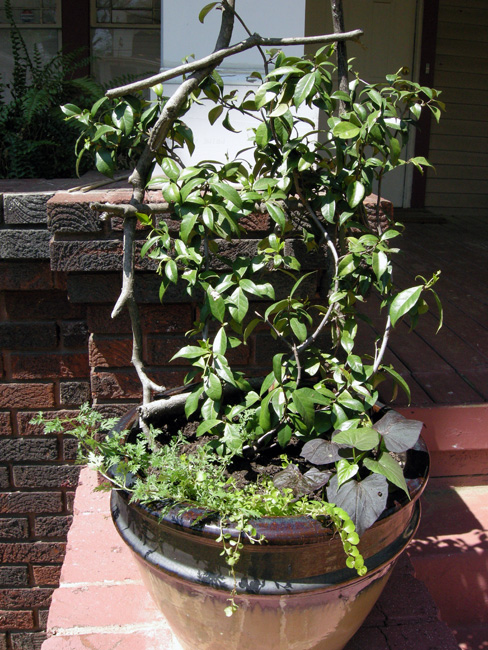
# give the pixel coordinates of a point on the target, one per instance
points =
(207, 425)
(220, 342)
(191, 403)
(104, 162)
(216, 304)
(396, 149)
(327, 208)
(239, 305)
(388, 467)
(284, 435)
(299, 329)
(346, 265)
(187, 226)
(284, 70)
(213, 387)
(305, 405)
(380, 264)
(229, 193)
(206, 9)
(277, 214)
(214, 114)
(171, 271)
(278, 365)
(263, 135)
(362, 438)
(304, 88)
(345, 471)
(264, 414)
(170, 168)
(404, 302)
(208, 218)
(189, 352)
(345, 130)
(72, 109)
(355, 193)
(171, 193)
(399, 380)
(227, 125)
(280, 110)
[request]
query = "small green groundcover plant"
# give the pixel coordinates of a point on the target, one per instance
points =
(313, 409)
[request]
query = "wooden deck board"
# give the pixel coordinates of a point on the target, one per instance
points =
(450, 367)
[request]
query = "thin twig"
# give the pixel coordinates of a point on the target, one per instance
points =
(381, 353)
(330, 245)
(219, 55)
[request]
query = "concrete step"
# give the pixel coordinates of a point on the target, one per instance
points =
(450, 555)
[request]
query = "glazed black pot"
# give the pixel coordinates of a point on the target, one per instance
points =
(294, 590)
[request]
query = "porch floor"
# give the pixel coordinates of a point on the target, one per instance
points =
(450, 367)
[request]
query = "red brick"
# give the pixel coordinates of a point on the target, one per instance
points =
(40, 305)
(5, 424)
(74, 334)
(74, 393)
(43, 616)
(27, 502)
(46, 476)
(47, 552)
(27, 640)
(34, 276)
(28, 336)
(14, 576)
(4, 478)
(160, 349)
(47, 575)
(27, 395)
(52, 526)
(155, 319)
(110, 353)
(124, 384)
(49, 366)
(16, 620)
(24, 449)
(25, 428)
(14, 527)
(70, 448)
(3, 642)
(70, 498)
(25, 598)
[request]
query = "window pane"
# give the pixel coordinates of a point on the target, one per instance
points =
(120, 52)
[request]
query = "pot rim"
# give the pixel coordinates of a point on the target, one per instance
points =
(192, 518)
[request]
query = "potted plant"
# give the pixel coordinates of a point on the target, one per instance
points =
(266, 507)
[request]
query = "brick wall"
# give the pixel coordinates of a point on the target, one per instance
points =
(59, 348)
(43, 365)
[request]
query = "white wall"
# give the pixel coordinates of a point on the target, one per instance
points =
(183, 34)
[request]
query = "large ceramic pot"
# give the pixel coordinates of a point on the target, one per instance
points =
(294, 591)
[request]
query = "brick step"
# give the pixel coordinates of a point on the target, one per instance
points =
(450, 552)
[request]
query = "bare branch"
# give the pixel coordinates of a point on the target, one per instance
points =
(330, 245)
(131, 209)
(342, 71)
(381, 353)
(218, 56)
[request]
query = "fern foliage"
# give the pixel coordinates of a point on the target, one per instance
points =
(35, 140)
